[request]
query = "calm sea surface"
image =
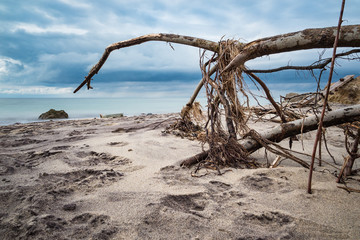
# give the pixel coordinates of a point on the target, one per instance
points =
(23, 110)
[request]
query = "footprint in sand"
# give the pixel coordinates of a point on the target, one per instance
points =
(262, 183)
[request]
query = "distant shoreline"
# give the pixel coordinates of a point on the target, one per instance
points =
(21, 110)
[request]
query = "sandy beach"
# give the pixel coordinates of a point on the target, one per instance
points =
(120, 178)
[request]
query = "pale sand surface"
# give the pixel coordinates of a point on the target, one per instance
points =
(81, 180)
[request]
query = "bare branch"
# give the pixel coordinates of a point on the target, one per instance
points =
(173, 38)
(319, 131)
(268, 95)
(320, 64)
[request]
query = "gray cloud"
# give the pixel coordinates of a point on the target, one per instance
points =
(54, 43)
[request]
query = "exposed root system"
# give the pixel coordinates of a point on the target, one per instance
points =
(222, 93)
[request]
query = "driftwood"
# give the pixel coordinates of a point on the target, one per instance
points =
(223, 80)
(334, 87)
(305, 39)
(353, 154)
(320, 64)
(268, 96)
(306, 99)
(289, 129)
(301, 40)
(173, 38)
(325, 104)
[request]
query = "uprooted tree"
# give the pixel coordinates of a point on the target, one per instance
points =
(228, 96)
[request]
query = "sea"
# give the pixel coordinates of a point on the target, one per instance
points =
(25, 110)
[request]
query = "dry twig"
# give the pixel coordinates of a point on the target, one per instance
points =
(318, 135)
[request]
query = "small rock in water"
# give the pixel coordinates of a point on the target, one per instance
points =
(54, 114)
(117, 115)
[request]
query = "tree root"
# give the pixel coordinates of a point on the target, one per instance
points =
(336, 117)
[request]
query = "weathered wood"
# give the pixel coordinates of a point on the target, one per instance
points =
(353, 154)
(335, 86)
(301, 40)
(321, 122)
(320, 64)
(268, 96)
(289, 129)
(173, 38)
(306, 39)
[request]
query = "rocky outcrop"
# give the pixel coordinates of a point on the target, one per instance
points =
(54, 114)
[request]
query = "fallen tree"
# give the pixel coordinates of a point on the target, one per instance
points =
(285, 130)
(224, 82)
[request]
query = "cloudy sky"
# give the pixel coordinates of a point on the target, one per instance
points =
(47, 47)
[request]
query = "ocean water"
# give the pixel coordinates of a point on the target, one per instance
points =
(24, 110)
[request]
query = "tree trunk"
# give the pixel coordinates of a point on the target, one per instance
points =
(302, 40)
(289, 129)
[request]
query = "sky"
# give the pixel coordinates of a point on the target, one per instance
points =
(48, 47)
